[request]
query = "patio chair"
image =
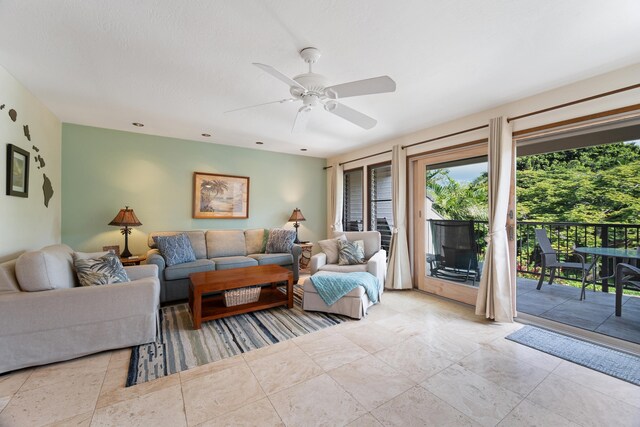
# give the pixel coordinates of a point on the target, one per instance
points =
(628, 277)
(457, 254)
(549, 260)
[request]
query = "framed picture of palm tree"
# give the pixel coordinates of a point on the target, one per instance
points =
(220, 196)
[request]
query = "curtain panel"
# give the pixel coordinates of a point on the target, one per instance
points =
(495, 293)
(336, 199)
(399, 270)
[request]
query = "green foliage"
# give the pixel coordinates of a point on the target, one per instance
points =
(598, 184)
(594, 185)
(458, 200)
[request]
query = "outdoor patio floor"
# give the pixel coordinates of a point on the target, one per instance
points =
(596, 313)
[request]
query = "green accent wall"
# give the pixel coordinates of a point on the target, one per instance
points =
(103, 170)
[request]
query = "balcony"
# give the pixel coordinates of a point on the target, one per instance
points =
(561, 301)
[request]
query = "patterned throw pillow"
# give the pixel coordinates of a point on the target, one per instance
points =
(330, 248)
(99, 271)
(280, 240)
(175, 249)
(350, 253)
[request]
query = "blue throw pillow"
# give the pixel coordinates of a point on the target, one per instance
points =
(175, 249)
(280, 240)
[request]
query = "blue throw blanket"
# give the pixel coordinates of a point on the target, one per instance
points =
(332, 287)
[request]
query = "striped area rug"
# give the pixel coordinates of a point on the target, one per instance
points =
(179, 347)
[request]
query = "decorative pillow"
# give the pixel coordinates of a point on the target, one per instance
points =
(280, 240)
(350, 252)
(99, 271)
(330, 248)
(175, 249)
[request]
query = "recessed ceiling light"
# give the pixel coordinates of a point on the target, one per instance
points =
(259, 142)
(207, 135)
(136, 124)
(303, 149)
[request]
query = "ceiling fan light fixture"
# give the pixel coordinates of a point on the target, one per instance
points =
(313, 90)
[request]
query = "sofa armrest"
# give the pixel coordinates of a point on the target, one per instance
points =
(136, 272)
(377, 265)
(59, 308)
(317, 261)
(154, 258)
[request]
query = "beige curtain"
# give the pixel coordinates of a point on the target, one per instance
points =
(399, 270)
(336, 190)
(494, 295)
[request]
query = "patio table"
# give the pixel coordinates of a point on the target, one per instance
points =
(616, 253)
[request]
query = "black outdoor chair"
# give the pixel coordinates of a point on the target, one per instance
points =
(627, 277)
(384, 228)
(549, 260)
(456, 256)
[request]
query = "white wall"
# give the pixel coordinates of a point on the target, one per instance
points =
(606, 82)
(25, 223)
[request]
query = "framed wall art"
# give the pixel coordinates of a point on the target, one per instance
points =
(220, 196)
(17, 171)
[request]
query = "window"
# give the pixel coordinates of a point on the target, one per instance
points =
(352, 217)
(380, 204)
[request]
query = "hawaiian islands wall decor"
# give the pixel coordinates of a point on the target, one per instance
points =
(17, 171)
(47, 187)
(220, 196)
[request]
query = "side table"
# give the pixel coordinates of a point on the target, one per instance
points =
(133, 260)
(307, 248)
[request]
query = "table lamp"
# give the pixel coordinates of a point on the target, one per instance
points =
(296, 216)
(126, 218)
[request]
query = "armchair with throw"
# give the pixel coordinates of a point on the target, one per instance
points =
(375, 256)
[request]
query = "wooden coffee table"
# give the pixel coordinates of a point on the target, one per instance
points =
(209, 307)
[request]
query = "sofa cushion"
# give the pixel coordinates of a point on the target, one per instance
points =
(48, 268)
(222, 243)
(350, 253)
(330, 248)
(175, 249)
(280, 240)
(256, 240)
(225, 263)
(195, 237)
(103, 270)
(8, 281)
(343, 268)
(182, 271)
(278, 259)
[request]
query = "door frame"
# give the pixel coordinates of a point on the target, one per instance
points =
(419, 163)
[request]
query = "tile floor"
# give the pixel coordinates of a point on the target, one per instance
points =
(415, 360)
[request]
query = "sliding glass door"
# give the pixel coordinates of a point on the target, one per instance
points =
(450, 191)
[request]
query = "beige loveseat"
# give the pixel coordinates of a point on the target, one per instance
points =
(46, 317)
(217, 250)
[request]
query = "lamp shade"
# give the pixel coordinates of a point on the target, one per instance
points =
(126, 218)
(297, 216)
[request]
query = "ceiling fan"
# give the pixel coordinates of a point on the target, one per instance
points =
(311, 88)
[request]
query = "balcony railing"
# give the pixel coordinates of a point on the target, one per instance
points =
(564, 237)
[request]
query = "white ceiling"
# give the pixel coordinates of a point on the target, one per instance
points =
(177, 65)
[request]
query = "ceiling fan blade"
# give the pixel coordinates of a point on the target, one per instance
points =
(282, 101)
(380, 84)
(278, 75)
(348, 113)
(302, 118)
